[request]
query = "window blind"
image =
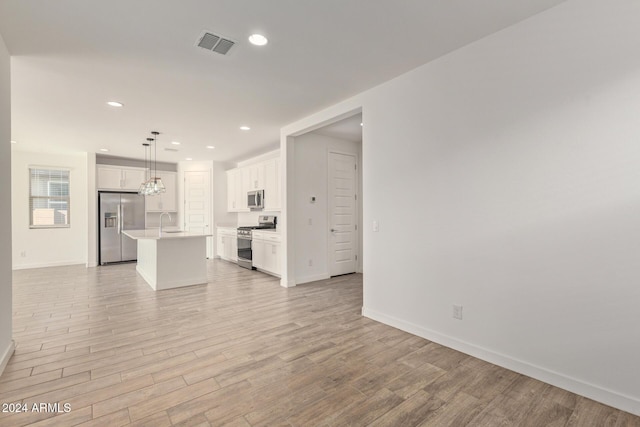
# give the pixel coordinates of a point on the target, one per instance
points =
(49, 204)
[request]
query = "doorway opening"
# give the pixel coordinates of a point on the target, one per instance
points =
(327, 202)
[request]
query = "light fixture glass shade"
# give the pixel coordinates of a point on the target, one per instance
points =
(149, 188)
(158, 185)
(153, 185)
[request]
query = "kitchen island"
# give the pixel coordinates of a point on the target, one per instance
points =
(171, 259)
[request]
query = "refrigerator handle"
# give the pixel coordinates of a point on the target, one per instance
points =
(119, 220)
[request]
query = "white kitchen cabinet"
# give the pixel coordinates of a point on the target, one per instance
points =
(219, 244)
(167, 201)
(260, 176)
(119, 177)
(232, 193)
(266, 248)
(257, 252)
(245, 186)
(272, 185)
(237, 180)
(256, 177)
(109, 178)
(227, 243)
(233, 247)
(132, 178)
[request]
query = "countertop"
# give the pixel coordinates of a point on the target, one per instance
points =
(155, 234)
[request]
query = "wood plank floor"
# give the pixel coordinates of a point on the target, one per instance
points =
(243, 351)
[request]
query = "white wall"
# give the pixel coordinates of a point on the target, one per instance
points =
(252, 218)
(257, 159)
(50, 246)
(6, 344)
(311, 179)
(220, 214)
(516, 162)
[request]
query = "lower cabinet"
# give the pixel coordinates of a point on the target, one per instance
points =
(227, 244)
(266, 252)
(265, 247)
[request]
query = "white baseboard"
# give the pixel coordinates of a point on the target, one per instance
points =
(92, 264)
(6, 355)
(313, 278)
(287, 283)
(600, 394)
(48, 264)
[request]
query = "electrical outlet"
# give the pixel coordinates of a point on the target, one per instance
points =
(310, 263)
(23, 254)
(310, 221)
(376, 226)
(457, 312)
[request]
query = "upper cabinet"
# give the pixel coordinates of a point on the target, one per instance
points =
(260, 176)
(272, 185)
(234, 188)
(119, 177)
(122, 178)
(167, 201)
(256, 177)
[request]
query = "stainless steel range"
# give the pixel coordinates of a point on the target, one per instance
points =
(245, 252)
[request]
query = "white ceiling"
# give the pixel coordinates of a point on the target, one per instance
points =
(71, 56)
(349, 129)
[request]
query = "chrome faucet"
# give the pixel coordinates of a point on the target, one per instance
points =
(161, 215)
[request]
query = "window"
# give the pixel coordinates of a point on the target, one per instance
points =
(48, 198)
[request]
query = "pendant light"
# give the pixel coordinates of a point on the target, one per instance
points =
(148, 185)
(143, 187)
(158, 185)
(153, 183)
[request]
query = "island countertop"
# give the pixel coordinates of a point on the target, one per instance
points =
(156, 235)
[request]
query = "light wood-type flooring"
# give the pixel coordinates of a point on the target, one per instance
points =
(243, 351)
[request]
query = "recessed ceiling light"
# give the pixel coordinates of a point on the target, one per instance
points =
(210, 147)
(104, 149)
(115, 103)
(258, 39)
(360, 123)
(175, 142)
(188, 158)
(245, 128)
(14, 142)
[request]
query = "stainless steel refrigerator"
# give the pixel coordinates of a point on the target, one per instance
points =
(119, 212)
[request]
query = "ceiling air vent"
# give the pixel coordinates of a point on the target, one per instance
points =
(171, 149)
(214, 43)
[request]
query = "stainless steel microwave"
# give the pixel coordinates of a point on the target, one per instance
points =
(255, 200)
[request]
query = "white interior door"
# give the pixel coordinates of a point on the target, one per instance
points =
(342, 214)
(197, 204)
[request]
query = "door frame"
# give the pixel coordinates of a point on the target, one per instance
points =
(358, 210)
(288, 135)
